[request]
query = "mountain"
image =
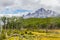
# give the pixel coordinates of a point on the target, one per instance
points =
(41, 13)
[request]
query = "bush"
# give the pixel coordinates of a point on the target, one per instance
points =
(2, 36)
(30, 33)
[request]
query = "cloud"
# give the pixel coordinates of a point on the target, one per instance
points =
(50, 2)
(5, 3)
(30, 4)
(10, 15)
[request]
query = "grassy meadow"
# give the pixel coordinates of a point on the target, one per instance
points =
(31, 35)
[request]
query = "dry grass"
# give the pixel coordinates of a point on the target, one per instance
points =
(55, 35)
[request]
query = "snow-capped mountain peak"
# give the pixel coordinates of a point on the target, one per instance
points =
(41, 13)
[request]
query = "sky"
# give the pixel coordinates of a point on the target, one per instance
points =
(26, 6)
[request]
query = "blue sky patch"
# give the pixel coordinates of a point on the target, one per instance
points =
(7, 11)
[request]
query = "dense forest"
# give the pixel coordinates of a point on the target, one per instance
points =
(31, 23)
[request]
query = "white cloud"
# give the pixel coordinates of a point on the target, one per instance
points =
(50, 2)
(30, 4)
(10, 15)
(4, 3)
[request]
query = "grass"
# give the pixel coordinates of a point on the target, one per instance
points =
(14, 38)
(34, 35)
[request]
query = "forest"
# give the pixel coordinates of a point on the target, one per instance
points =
(31, 23)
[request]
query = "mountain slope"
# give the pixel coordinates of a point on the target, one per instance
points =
(41, 13)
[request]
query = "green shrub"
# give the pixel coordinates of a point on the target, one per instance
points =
(2, 36)
(30, 33)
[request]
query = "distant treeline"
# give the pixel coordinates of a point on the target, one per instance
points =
(31, 23)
